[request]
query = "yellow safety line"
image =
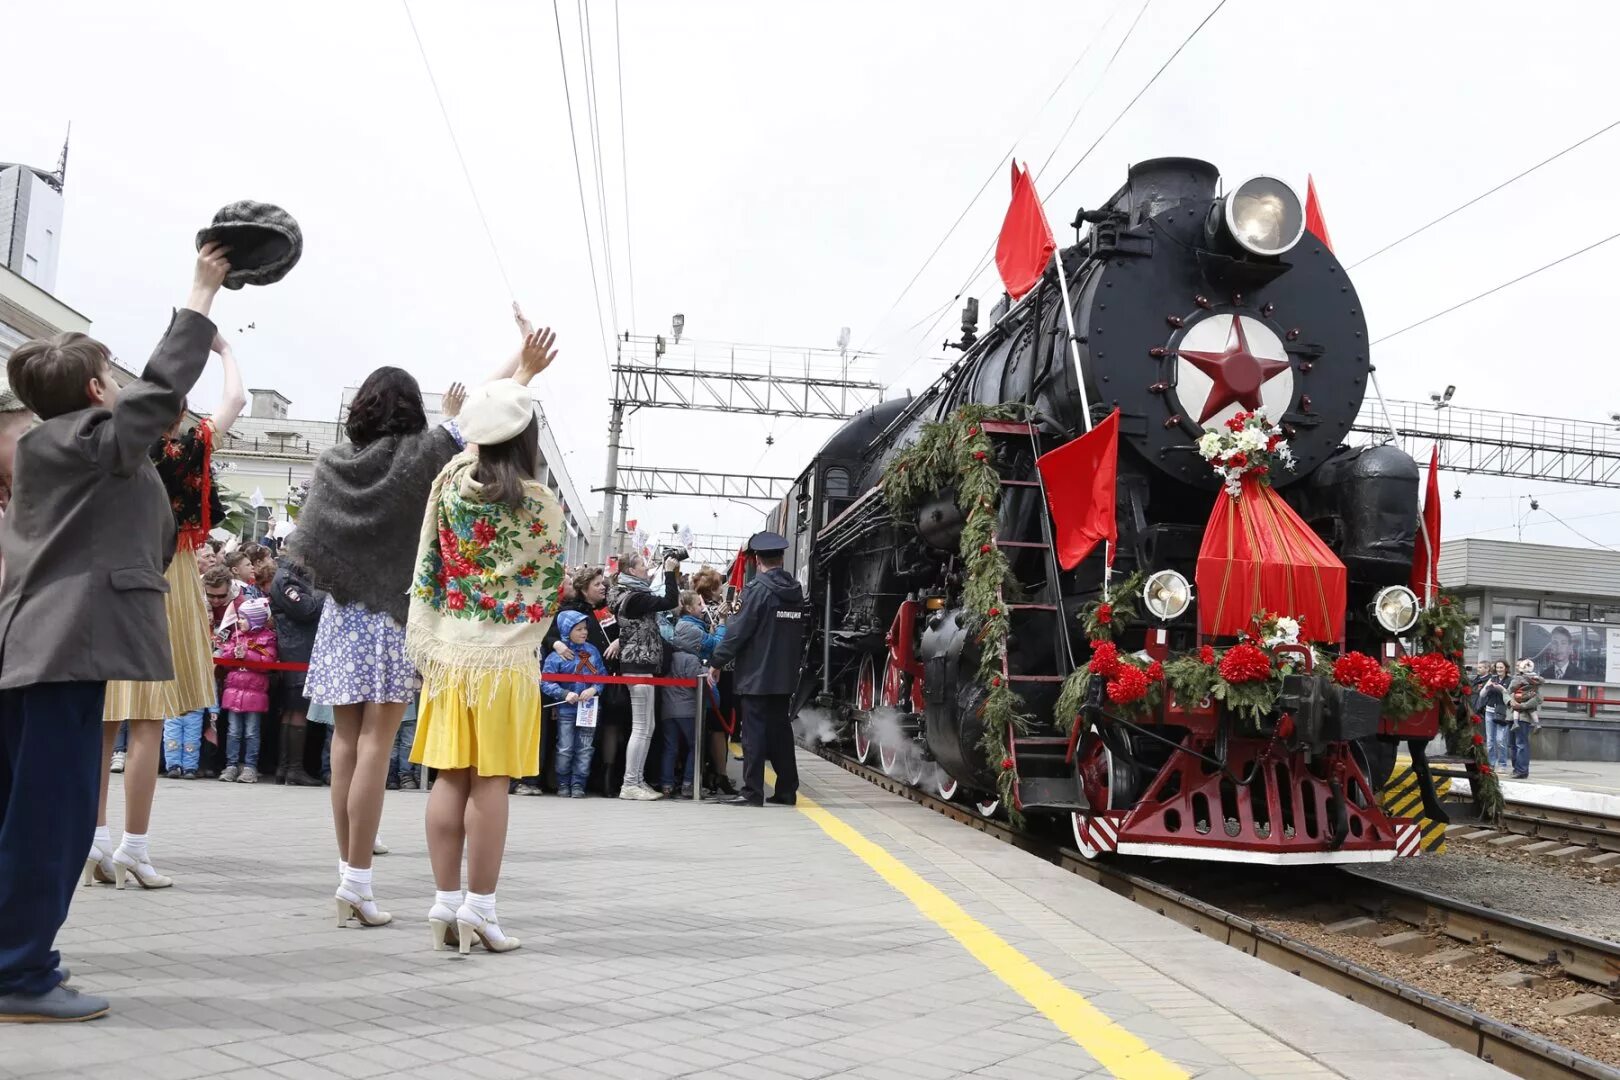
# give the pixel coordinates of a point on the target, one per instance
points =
(1120, 1052)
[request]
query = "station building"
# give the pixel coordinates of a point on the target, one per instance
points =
(1558, 607)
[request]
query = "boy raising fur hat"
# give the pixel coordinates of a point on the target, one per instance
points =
(86, 538)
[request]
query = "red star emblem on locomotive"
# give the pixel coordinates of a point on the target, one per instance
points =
(1237, 374)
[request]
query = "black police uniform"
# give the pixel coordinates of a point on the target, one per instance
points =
(766, 639)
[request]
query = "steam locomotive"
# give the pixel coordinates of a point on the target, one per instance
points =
(1168, 265)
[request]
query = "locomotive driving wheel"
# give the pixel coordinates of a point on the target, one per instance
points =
(987, 808)
(865, 699)
(1107, 784)
(945, 784)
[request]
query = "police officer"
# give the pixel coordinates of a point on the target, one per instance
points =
(766, 639)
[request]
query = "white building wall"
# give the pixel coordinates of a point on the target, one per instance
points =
(42, 240)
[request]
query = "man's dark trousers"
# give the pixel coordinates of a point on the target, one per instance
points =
(50, 777)
(767, 733)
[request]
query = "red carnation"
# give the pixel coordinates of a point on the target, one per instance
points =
(1375, 683)
(1245, 663)
(1435, 673)
(1155, 672)
(974, 430)
(1105, 613)
(1272, 441)
(1352, 667)
(456, 601)
(512, 609)
(995, 680)
(487, 602)
(537, 612)
(483, 532)
(1206, 654)
(978, 455)
(1236, 423)
(1263, 470)
(1475, 718)
(1104, 659)
(1479, 740)
(1238, 460)
(1007, 764)
(1130, 683)
(993, 612)
(1485, 770)
(984, 549)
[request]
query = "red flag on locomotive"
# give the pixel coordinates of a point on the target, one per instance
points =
(1426, 566)
(1025, 246)
(1079, 477)
(1315, 223)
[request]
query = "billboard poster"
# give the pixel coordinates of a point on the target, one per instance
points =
(1570, 652)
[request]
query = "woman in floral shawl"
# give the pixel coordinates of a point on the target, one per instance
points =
(489, 564)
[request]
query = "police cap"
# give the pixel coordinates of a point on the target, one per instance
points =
(767, 543)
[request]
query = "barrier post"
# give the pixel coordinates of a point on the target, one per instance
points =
(697, 737)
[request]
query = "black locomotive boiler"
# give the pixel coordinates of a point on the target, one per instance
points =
(1167, 266)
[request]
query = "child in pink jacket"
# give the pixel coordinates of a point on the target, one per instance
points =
(251, 636)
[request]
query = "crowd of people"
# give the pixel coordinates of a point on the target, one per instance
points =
(408, 619)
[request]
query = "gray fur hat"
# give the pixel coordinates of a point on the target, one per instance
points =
(9, 401)
(265, 242)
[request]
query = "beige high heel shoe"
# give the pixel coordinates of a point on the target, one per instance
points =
(124, 865)
(470, 924)
(351, 905)
(442, 921)
(98, 867)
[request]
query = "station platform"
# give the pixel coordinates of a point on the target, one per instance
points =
(1588, 786)
(856, 935)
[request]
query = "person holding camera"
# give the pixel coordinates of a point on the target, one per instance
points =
(641, 652)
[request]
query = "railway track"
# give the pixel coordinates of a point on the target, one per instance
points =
(1528, 818)
(1513, 1049)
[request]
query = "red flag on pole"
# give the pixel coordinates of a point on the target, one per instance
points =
(1315, 223)
(1025, 246)
(630, 526)
(739, 569)
(1426, 553)
(1079, 479)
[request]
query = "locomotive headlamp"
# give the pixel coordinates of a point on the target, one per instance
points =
(1264, 216)
(1166, 594)
(1396, 608)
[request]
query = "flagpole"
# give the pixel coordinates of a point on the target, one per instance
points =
(1080, 381)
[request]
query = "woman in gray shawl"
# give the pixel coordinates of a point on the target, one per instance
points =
(356, 540)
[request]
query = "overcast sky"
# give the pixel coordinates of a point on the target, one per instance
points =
(789, 168)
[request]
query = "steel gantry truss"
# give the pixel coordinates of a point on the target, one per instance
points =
(763, 380)
(1490, 443)
(655, 482)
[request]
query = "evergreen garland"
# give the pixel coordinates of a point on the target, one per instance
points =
(956, 454)
(1440, 628)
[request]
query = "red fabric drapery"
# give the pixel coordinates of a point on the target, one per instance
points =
(1259, 556)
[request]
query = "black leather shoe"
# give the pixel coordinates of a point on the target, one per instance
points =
(63, 1005)
(741, 800)
(783, 800)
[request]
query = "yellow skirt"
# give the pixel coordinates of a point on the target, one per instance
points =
(489, 722)
(190, 638)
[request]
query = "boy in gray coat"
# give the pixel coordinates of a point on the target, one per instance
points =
(86, 538)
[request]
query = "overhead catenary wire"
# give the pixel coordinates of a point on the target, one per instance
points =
(624, 161)
(1494, 289)
(450, 129)
(579, 180)
(587, 46)
(995, 171)
(1484, 195)
(984, 261)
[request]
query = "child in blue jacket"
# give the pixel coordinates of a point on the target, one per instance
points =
(574, 743)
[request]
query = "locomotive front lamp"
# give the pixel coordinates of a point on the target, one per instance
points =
(1396, 608)
(1166, 594)
(1265, 216)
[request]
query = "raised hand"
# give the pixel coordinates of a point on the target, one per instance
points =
(525, 327)
(453, 398)
(538, 354)
(208, 276)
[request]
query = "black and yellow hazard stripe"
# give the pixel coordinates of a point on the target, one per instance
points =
(1401, 798)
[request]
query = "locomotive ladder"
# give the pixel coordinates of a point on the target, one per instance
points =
(1046, 778)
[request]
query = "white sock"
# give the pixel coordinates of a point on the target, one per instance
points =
(451, 899)
(482, 903)
(358, 880)
(343, 869)
(134, 845)
(103, 841)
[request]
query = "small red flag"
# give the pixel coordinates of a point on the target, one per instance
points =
(1426, 566)
(1079, 477)
(630, 526)
(739, 569)
(1315, 223)
(1025, 245)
